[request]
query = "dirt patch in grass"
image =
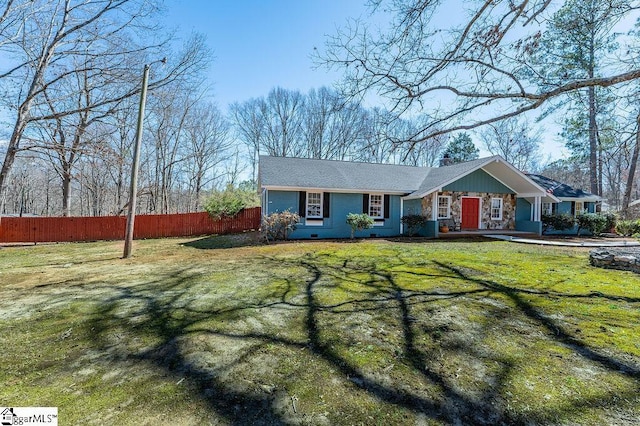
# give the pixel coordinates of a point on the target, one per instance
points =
(223, 331)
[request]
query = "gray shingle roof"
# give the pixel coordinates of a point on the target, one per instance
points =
(560, 189)
(286, 172)
(294, 173)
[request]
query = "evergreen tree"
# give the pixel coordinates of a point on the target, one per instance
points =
(461, 149)
(575, 46)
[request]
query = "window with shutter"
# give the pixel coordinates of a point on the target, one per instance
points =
(376, 206)
(314, 205)
(326, 208)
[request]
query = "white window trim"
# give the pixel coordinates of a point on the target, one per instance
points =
(448, 216)
(545, 211)
(501, 208)
(321, 206)
(381, 216)
(580, 211)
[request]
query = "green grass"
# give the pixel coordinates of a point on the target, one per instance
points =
(219, 331)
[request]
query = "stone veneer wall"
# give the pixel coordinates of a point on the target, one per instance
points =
(508, 208)
(626, 259)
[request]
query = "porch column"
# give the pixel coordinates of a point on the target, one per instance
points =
(536, 209)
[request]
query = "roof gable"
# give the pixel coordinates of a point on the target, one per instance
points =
(478, 181)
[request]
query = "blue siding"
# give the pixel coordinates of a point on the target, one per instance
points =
(335, 226)
(478, 181)
(523, 218)
(430, 229)
(415, 207)
(280, 201)
(412, 207)
(529, 226)
(523, 210)
(564, 207)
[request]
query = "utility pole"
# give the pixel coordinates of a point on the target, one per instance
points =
(133, 189)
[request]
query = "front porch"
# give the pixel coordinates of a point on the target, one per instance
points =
(486, 232)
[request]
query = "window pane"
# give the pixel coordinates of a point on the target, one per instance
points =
(443, 207)
(314, 204)
(375, 205)
(496, 208)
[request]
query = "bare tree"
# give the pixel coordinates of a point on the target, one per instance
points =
(426, 154)
(117, 151)
(249, 123)
(60, 31)
(514, 140)
(284, 123)
(331, 125)
(207, 147)
(165, 142)
(54, 32)
(465, 75)
(633, 164)
(64, 138)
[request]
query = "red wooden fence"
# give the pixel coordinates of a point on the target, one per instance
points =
(58, 229)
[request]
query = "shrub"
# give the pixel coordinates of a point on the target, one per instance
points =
(612, 221)
(414, 222)
(594, 223)
(558, 222)
(229, 202)
(278, 226)
(359, 222)
(628, 227)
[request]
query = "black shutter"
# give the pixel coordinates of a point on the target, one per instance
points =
(387, 207)
(365, 203)
(326, 209)
(302, 204)
(573, 208)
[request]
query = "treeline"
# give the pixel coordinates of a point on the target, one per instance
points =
(191, 148)
(71, 79)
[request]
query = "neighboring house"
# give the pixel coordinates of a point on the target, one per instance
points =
(572, 201)
(487, 193)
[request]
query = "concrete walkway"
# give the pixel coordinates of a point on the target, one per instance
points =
(515, 239)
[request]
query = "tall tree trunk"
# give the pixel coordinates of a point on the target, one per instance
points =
(600, 161)
(12, 150)
(593, 143)
(66, 191)
(632, 171)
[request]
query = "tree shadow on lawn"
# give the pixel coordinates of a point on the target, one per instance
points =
(170, 317)
(227, 241)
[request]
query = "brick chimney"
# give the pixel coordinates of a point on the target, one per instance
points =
(446, 160)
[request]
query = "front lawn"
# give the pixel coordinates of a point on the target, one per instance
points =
(371, 332)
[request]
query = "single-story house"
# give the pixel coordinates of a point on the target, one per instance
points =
(487, 193)
(573, 201)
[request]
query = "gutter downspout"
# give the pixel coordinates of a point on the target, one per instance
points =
(401, 214)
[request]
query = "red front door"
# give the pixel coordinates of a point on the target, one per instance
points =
(470, 213)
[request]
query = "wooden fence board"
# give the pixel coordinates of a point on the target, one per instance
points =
(59, 229)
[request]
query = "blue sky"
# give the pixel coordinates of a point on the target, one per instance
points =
(262, 44)
(259, 45)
